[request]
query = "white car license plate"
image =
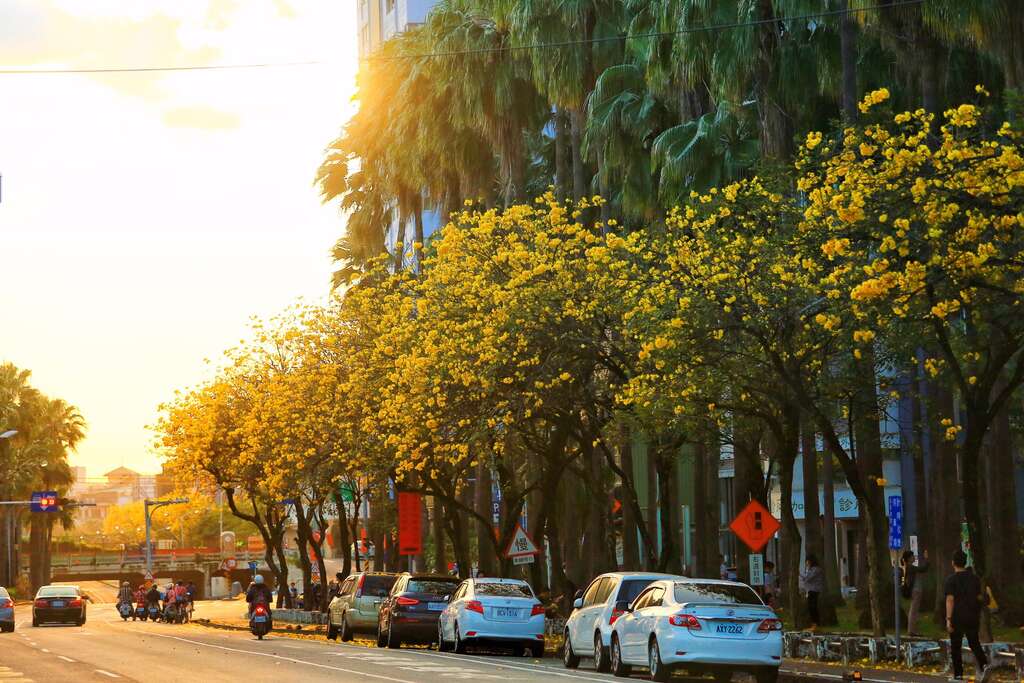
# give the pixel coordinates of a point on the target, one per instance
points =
(259, 620)
(57, 603)
(730, 629)
(436, 606)
(504, 612)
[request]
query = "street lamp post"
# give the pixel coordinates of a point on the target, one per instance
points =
(147, 507)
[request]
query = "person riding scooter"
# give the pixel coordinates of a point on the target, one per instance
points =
(258, 593)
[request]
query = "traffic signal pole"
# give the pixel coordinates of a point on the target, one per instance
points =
(148, 506)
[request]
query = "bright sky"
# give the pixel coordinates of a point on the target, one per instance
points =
(146, 217)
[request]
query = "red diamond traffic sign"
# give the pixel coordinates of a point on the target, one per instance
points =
(755, 526)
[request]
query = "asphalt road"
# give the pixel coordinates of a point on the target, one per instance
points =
(107, 648)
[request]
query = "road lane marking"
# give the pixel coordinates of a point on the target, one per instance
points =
(285, 659)
(107, 673)
(44, 650)
(530, 668)
(66, 659)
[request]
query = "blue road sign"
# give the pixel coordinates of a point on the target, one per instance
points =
(895, 522)
(253, 565)
(44, 501)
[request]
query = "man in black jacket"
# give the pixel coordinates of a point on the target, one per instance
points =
(963, 616)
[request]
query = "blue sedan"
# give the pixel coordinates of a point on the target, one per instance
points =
(6, 611)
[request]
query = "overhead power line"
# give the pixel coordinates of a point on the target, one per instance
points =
(642, 36)
(24, 71)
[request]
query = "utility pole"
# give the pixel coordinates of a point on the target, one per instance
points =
(147, 508)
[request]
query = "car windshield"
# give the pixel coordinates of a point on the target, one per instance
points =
(4, 593)
(631, 588)
(506, 590)
(733, 594)
(434, 586)
(57, 592)
(374, 583)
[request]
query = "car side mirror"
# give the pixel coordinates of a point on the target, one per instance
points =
(447, 598)
(577, 603)
(579, 594)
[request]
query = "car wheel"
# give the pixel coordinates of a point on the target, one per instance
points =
(441, 646)
(659, 672)
(380, 635)
(460, 645)
(394, 642)
(536, 650)
(618, 668)
(569, 658)
(600, 654)
(518, 650)
(332, 631)
(344, 631)
(768, 675)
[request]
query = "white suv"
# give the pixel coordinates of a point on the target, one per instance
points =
(588, 631)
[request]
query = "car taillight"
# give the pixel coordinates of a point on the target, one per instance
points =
(41, 603)
(475, 606)
(685, 621)
(407, 601)
(537, 609)
(616, 613)
(769, 625)
(5, 603)
(260, 609)
(75, 603)
(359, 586)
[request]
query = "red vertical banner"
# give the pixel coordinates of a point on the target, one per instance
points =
(409, 536)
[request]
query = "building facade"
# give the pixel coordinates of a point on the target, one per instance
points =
(379, 20)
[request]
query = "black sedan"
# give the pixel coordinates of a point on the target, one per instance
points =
(59, 604)
(409, 614)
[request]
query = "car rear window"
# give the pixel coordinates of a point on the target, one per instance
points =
(733, 594)
(434, 586)
(507, 590)
(4, 593)
(630, 588)
(57, 592)
(374, 583)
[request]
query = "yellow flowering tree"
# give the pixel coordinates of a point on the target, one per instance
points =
(922, 233)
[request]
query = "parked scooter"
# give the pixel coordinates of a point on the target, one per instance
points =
(125, 610)
(140, 613)
(260, 621)
(154, 612)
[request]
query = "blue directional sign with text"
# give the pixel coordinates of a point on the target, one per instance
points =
(895, 522)
(44, 501)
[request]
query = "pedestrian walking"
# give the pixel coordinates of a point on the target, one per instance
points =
(812, 583)
(912, 587)
(963, 616)
(723, 568)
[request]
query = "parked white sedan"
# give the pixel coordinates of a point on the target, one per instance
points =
(702, 626)
(493, 611)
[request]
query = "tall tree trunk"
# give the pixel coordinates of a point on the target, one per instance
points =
(563, 155)
(830, 561)
(814, 535)
(437, 530)
(579, 170)
(869, 458)
(776, 130)
(1004, 555)
(706, 508)
(848, 57)
(669, 556)
(343, 541)
(652, 507)
(789, 571)
(630, 547)
(485, 556)
(419, 238)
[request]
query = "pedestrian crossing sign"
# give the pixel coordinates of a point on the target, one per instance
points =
(521, 545)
